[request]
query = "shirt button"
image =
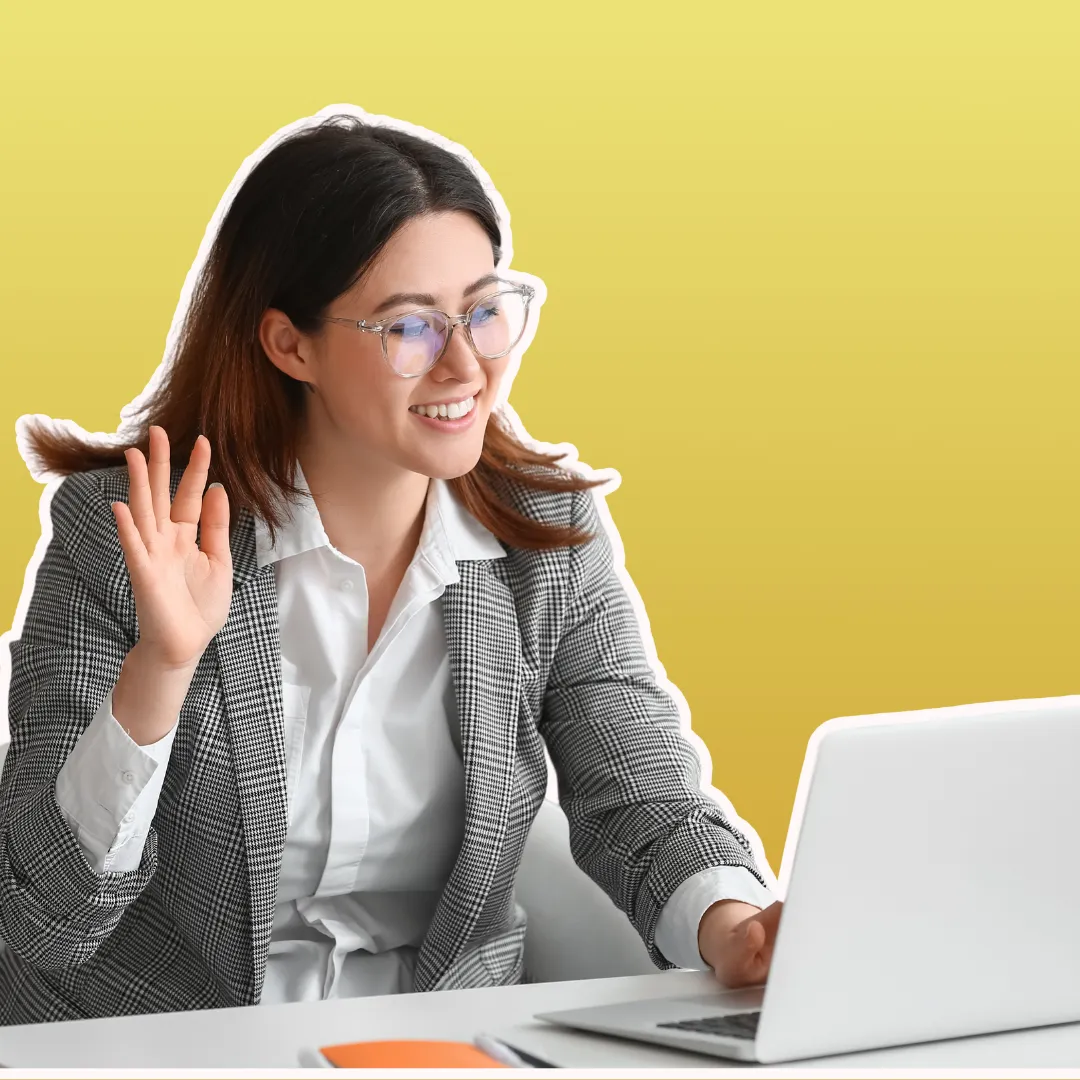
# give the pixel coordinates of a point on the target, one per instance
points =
(346, 585)
(128, 777)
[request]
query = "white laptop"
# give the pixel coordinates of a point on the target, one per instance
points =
(932, 890)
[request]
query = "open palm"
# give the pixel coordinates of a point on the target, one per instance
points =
(182, 592)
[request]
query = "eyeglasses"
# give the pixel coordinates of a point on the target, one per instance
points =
(413, 343)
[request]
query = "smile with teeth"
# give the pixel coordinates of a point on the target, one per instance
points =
(454, 411)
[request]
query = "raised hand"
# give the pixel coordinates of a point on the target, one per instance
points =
(182, 592)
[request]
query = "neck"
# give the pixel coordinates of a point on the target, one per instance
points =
(373, 515)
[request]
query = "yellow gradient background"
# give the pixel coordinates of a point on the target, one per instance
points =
(813, 290)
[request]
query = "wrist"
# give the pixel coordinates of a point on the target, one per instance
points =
(148, 695)
(143, 655)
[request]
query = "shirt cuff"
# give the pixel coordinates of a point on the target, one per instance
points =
(680, 917)
(108, 791)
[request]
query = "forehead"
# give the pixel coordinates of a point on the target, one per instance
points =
(436, 253)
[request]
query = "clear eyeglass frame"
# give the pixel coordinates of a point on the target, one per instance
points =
(527, 292)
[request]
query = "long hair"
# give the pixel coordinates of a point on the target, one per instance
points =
(309, 219)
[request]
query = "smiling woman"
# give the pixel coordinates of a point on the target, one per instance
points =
(283, 738)
(368, 389)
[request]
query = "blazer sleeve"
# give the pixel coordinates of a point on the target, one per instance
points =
(629, 780)
(55, 911)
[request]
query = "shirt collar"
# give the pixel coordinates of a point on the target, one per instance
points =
(450, 535)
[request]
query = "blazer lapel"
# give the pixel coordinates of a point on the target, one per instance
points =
(484, 646)
(249, 660)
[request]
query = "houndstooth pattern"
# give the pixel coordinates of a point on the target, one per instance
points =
(545, 649)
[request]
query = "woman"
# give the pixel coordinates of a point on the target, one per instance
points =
(283, 738)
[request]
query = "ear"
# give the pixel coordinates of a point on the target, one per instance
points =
(285, 346)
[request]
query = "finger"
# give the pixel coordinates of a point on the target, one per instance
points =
(756, 971)
(130, 541)
(754, 935)
(733, 964)
(187, 506)
(159, 475)
(738, 970)
(746, 960)
(142, 507)
(770, 919)
(766, 956)
(214, 534)
(760, 944)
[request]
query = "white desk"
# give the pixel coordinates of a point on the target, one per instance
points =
(269, 1037)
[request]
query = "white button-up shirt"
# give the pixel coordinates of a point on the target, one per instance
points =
(375, 783)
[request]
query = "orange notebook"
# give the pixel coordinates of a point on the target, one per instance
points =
(408, 1054)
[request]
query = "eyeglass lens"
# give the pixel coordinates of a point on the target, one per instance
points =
(415, 341)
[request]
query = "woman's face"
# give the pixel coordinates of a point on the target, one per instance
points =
(361, 406)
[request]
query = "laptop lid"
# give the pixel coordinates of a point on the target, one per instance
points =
(932, 880)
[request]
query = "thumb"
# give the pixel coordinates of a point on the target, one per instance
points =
(770, 919)
(214, 526)
(754, 934)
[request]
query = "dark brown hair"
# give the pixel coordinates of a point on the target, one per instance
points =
(307, 221)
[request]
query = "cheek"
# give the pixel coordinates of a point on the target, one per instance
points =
(496, 370)
(363, 387)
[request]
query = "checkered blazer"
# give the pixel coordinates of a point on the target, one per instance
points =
(545, 648)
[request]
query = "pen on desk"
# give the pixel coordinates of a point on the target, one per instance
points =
(513, 1056)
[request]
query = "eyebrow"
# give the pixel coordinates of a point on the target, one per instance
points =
(431, 301)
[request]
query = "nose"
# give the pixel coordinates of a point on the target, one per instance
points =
(458, 361)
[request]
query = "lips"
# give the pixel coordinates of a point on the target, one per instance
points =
(448, 401)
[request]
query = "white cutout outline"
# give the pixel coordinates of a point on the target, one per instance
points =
(507, 413)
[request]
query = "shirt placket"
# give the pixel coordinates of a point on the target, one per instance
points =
(349, 815)
(350, 819)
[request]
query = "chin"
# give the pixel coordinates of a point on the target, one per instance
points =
(448, 466)
(451, 472)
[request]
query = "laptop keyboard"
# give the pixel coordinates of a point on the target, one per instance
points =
(737, 1025)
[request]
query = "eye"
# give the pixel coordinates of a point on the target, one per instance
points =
(411, 327)
(486, 313)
